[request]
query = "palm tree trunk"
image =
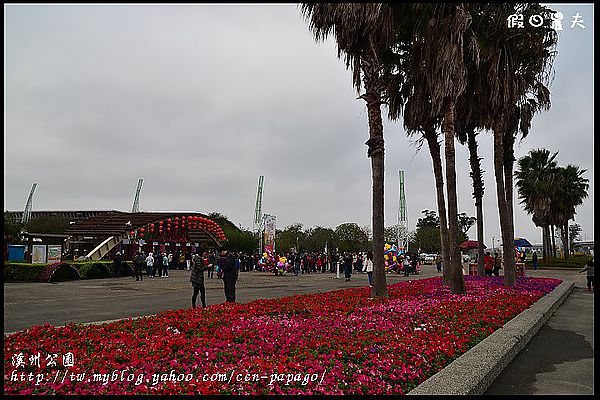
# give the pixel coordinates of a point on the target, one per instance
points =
(478, 194)
(544, 247)
(548, 243)
(376, 153)
(566, 244)
(457, 282)
(553, 243)
(508, 144)
(434, 150)
(508, 250)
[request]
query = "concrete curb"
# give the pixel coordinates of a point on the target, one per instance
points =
(475, 371)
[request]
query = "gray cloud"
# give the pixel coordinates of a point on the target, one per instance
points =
(201, 99)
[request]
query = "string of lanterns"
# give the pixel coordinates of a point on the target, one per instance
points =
(181, 225)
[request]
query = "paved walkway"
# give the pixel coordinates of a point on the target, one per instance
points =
(31, 304)
(560, 357)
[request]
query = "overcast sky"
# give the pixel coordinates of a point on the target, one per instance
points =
(199, 100)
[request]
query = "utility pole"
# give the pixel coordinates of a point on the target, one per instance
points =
(402, 220)
(26, 217)
(136, 199)
(257, 223)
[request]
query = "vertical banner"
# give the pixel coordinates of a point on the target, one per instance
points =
(38, 254)
(54, 254)
(269, 233)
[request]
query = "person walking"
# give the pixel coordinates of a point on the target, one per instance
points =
(589, 267)
(117, 265)
(488, 264)
(138, 262)
(369, 267)
(150, 265)
(165, 266)
(497, 268)
(534, 260)
(197, 279)
(226, 264)
(188, 261)
(414, 263)
(181, 261)
(347, 266)
(439, 263)
(212, 261)
(406, 264)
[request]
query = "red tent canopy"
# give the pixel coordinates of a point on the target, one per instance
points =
(470, 244)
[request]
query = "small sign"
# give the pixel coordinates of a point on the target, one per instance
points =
(53, 254)
(178, 244)
(167, 243)
(38, 254)
(126, 241)
(197, 244)
(188, 244)
(154, 243)
(142, 242)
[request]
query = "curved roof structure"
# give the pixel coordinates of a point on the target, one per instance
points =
(109, 228)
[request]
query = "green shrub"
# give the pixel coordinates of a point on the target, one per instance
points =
(64, 272)
(92, 269)
(576, 261)
(23, 272)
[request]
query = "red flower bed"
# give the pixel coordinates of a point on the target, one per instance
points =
(333, 343)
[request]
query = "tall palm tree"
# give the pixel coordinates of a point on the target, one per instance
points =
(516, 64)
(468, 122)
(362, 33)
(446, 72)
(408, 97)
(570, 192)
(536, 180)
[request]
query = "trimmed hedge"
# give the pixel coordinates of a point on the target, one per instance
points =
(576, 261)
(58, 272)
(23, 272)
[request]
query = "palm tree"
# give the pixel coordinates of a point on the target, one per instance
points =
(468, 122)
(408, 96)
(570, 192)
(362, 33)
(445, 64)
(515, 66)
(536, 180)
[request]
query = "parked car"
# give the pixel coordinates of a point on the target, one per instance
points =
(427, 258)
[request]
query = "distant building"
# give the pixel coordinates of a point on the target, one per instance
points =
(73, 215)
(586, 247)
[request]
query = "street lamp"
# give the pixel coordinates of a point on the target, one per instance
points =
(493, 242)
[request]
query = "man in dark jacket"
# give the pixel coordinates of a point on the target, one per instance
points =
(197, 279)
(138, 262)
(226, 263)
(117, 264)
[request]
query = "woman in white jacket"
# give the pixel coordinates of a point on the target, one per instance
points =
(369, 267)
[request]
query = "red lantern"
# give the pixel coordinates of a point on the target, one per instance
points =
(169, 220)
(151, 225)
(132, 233)
(142, 230)
(176, 218)
(160, 222)
(169, 229)
(141, 235)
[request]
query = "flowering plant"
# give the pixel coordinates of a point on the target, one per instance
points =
(338, 342)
